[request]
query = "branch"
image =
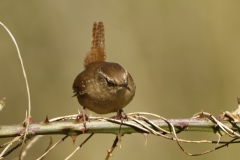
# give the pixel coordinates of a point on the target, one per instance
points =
(72, 127)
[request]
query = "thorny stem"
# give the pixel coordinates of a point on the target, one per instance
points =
(103, 126)
(138, 124)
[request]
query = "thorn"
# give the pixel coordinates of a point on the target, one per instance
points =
(46, 120)
(83, 129)
(74, 139)
(31, 119)
(26, 119)
(146, 137)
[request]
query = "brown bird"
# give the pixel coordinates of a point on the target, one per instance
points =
(103, 87)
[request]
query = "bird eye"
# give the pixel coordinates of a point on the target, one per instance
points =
(109, 82)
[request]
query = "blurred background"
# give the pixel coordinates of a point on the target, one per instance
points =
(183, 56)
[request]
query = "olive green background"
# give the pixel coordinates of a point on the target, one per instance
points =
(183, 56)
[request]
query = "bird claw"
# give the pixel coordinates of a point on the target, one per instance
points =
(83, 117)
(120, 115)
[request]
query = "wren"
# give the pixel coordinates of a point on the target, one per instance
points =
(103, 87)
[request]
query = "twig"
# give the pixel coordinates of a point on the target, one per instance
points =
(109, 152)
(30, 144)
(42, 156)
(25, 78)
(69, 117)
(127, 123)
(144, 125)
(3, 154)
(15, 147)
(79, 146)
(153, 124)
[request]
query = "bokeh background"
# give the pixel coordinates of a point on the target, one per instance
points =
(183, 55)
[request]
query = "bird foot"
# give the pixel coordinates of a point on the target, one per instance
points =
(83, 117)
(121, 115)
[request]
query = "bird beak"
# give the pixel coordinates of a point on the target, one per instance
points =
(76, 94)
(125, 85)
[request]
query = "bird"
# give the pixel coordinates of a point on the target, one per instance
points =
(102, 87)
